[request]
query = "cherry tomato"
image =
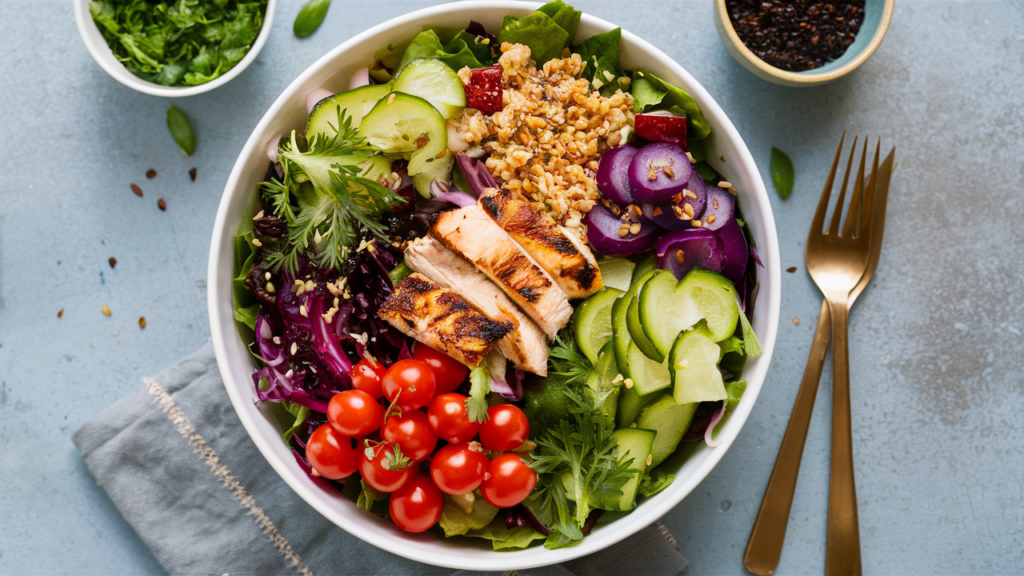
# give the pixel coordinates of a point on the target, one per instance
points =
(385, 471)
(331, 454)
(509, 481)
(448, 371)
(448, 418)
(366, 377)
(459, 468)
(411, 431)
(414, 380)
(354, 413)
(506, 428)
(417, 505)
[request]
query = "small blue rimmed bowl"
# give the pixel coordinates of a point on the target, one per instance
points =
(877, 16)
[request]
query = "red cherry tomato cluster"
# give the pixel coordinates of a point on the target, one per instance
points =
(420, 407)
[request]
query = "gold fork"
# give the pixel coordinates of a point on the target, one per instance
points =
(766, 539)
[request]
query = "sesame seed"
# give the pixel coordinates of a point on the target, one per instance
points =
(679, 212)
(657, 211)
(650, 458)
(796, 321)
(310, 286)
(623, 231)
(697, 223)
(669, 172)
(258, 216)
(267, 276)
(276, 340)
(151, 173)
(722, 158)
(618, 378)
(60, 313)
(724, 184)
(680, 256)
(289, 373)
(161, 204)
(270, 287)
(676, 199)
(652, 175)
(294, 348)
(711, 219)
(106, 311)
(314, 471)
(688, 208)
(791, 269)
(256, 242)
(690, 157)
(690, 194)
(192, 174)
(142, 321)
(615, 209)
(112, 261)
(302, 311)
(317, 238)
(137, 190)
(391, 98)
(628, 382)
(634, 228)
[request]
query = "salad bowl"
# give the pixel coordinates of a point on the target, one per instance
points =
(333, 72)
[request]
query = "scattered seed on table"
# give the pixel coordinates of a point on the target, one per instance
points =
(796, 321)
(142, 321)
(112, 261)
(150, 173)
(137, 190)
(60, 313)
(106, 311)
(161, 204)
(791, 269)
(192, 174)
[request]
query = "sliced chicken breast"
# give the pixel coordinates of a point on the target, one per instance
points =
(442, 320)
(472, 234)
(524, 345)
(558, 251)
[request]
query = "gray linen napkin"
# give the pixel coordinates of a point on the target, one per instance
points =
(178, 464)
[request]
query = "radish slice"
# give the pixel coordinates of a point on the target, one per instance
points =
(315, 96)
(360, 78)
(658, 172)
(612, 174)
(700, 248)
(603, 234)
(734, 250)
(668, 218)
(721, 204)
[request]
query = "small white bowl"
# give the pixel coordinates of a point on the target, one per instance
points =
(236, 365)
(101, 52)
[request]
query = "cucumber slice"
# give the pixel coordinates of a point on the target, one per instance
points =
(356, 103)
(647, 375)
(398, 122)
(436, 170)
(620, 331)
(694, 369)
(600, 384)
(634, 444)
(616, 272)
(663, 313)
(715, 297)
(670, 420)
(644, 266)
(592, 324)
(629, 406)
(636, 331)
(435, 82)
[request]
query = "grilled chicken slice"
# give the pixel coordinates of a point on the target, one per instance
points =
(524, 345)
(471, 233)
(558, 251)
(440, 319)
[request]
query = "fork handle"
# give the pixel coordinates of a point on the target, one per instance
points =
(765, 546)
(842, 554)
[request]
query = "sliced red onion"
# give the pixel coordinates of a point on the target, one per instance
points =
(360, 78)
(532, 519)
(325, 341)
(439, 189)
(272, 354)
(315, 96)
(404, 353)
(476, 173)
(272, 147)
(754, 255)
(715, 419)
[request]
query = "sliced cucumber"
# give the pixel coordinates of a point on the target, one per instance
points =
(663, 313)
(436, 170)
(633, 444)
(620, 331)
(356, 103)
(629, 406)
(600, 384)
(592, 322)
(435, 82)
(670, 420)
(637, 333)
(616, 272)
(715, 298)
(397, 125)
(694, 369)
(644, 266)
(647, 375)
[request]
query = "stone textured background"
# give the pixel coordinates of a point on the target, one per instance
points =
(936, 341)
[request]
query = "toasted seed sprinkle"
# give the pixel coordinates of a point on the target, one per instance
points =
(267, 276)
(652, 176)
(142, 321)
(690, 194)
(634, 228)
(722, 158)
(606, 203)
(676, 199)
(679, 212)
(310, 285)
(688, 208)
(650, 458)
(391, 98)
(618, 378)
(106, 311)
(277, 340)
(60, 313)
(270, 287)
(724, 184)
(256, 242)
(697, 223)
(680, 256)
(623, 231)
(302, 311)
(192, 174)
(615, 209)
(258, 216)
(731, 190)
(294, 348)
(690, 157)
(151, 173)
(161, 204)
(634, 212)
(668, 171)
(314, 472)
(112, 261)
(657, 211)
(710, 219)
(791, 269)
(796, 321)
(289, 373)
(628, 382)
(137, 190)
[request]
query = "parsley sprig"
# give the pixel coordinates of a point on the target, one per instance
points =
(328, 196)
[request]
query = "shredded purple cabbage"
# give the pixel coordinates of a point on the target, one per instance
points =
(753, 254)
(477, 175)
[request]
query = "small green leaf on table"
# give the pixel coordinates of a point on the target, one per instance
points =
(310, 17)
(181, 130)
(782, 172)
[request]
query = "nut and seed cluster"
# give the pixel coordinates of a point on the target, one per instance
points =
(546, 141)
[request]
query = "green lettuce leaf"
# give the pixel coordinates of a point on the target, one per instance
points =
(655, 481)
(653, 93)
(567, 17)
(601, 53)
(427, 45)
(504, 538)
(538, 31)
(455, 521)
(371, 500)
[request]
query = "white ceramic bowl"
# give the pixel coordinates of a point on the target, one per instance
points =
(101, 52)
(236, 365)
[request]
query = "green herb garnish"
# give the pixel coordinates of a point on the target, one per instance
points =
(781, 168)
(329, 197)
(181, 130)
(179, 43)
(480, 387)
(310, 17)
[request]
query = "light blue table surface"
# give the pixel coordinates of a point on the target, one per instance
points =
(936, 341)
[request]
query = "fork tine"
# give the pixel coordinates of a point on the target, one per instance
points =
(837, 214)
(867, 218)
(819, 215)
(856, 213)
